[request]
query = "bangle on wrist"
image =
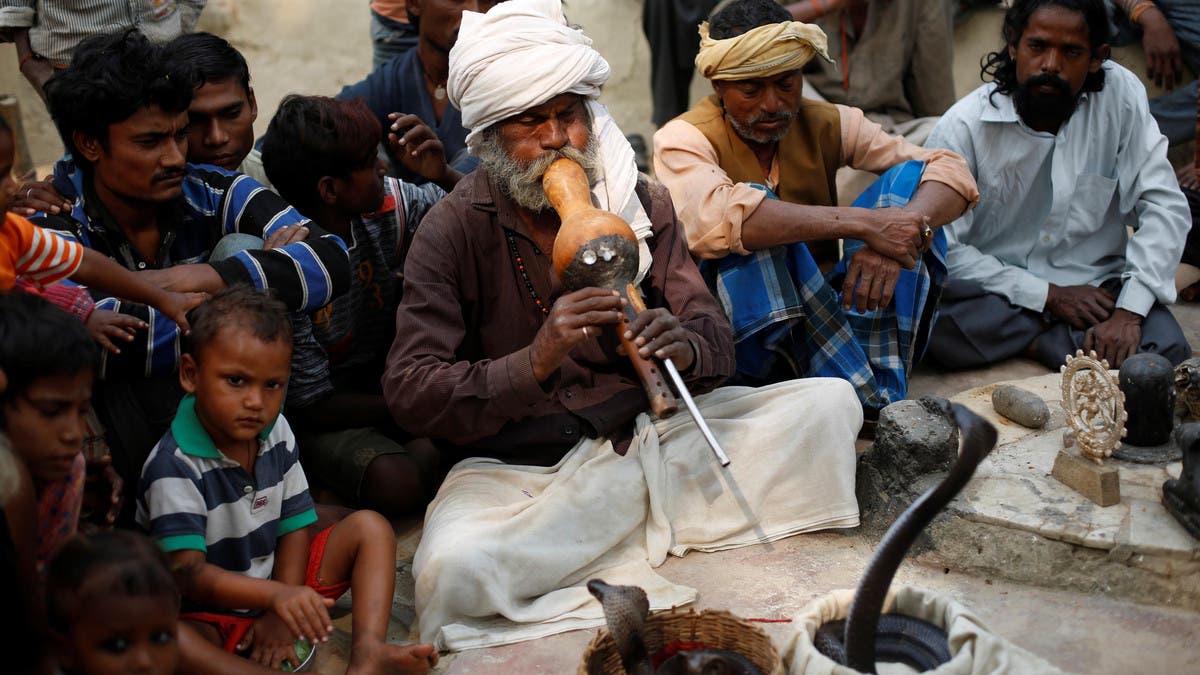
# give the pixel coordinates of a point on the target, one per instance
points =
(26, 58)
(1136, 13)
(818, 8)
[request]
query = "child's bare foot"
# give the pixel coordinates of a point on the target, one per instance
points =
(380, 657)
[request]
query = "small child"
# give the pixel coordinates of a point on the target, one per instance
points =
(48, 359)
(224, 494)
(112, 606)
(35, 256)
(320, 153)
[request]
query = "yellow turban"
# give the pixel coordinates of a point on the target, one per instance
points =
(762, 52)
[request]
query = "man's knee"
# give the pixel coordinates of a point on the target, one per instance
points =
(975, 329)
(1162, 334)
(451, 574)
(393, 484)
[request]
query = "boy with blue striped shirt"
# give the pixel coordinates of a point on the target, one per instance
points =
(224, 494)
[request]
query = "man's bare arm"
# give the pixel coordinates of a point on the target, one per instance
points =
(894, 233)
(938, 202)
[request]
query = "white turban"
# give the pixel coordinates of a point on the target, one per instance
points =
(521, 54)
(517, 56)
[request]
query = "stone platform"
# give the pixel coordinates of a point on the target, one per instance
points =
(1018, 522)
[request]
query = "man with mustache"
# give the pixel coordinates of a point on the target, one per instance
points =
(797, 310)
(564, 476)
(122, 111)
(1068, 158)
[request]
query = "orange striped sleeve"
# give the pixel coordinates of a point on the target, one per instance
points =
(46, 258)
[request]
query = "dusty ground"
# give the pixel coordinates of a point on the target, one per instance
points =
(317, 46)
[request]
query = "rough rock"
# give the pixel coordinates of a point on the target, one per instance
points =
(916, 442)
(1023, 407)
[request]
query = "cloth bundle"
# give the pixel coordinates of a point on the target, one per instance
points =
(974, 649)
(507, 549)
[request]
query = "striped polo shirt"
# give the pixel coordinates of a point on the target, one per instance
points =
(192, 497)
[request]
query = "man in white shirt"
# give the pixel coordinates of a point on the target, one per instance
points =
(1067, 157)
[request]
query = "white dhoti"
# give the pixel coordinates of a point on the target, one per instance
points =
(507, 549)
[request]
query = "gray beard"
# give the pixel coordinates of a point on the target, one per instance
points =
(762, 139)
(522, 181)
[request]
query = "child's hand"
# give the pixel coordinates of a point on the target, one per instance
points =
(304, 612)
(417, 147)
(102, 489)
(106, 326)
(269, 642)
(38, 195)
(177, 305)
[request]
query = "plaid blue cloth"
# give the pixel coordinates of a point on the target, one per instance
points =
(788, 319)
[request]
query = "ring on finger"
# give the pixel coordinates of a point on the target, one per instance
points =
(926, 233)
(585, 332)
(29, 194)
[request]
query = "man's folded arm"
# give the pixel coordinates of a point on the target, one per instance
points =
(866, 146)
(307, 275)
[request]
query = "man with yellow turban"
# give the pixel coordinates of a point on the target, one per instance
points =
(751, 170)
(564, 475)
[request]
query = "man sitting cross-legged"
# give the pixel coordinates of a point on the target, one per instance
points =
(796, 310)
(320, 155)
(1067, 157)
(564, 476)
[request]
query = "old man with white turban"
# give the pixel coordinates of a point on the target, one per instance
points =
(752, 172)
(564, 475)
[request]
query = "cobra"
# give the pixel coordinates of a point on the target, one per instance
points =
(865, 637)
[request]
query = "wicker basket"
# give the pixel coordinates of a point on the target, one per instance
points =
(716, 629)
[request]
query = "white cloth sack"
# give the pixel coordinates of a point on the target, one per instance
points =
(974, 650)
(507, 549)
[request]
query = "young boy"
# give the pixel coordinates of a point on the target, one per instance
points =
(112, 606)
(224, 495)
(35, 256)
(320, 155)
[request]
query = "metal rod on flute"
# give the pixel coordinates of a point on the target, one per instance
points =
(597, 248)
(691, 406)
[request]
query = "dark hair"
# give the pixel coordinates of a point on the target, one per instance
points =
(311, 137)
(139, 568)
(39, 340)
(244, 306)
(1001, 67)
(110, 78)
(4, 128)
(211, 59)
(737, 17)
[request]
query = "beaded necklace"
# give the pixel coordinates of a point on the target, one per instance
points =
(512, 248)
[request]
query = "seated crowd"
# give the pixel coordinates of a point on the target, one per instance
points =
(260, 353)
